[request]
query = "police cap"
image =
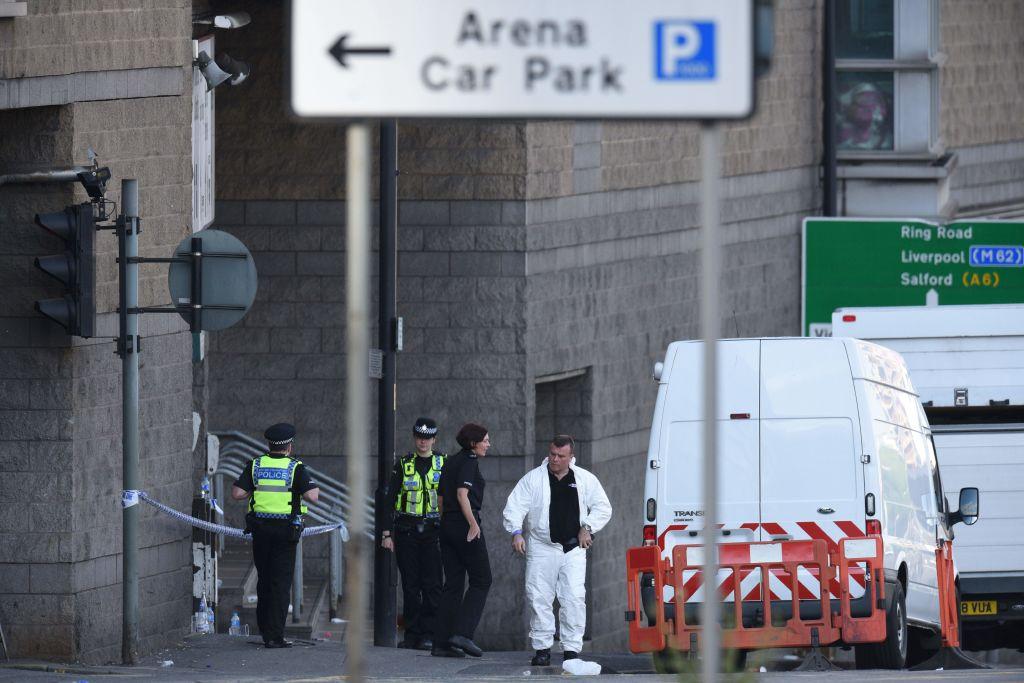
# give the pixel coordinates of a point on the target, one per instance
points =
(425, 428)
(280, 434)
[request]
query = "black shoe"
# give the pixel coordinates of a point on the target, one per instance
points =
(279, 643)
(408, 644)
(425, 644)
(542, 658)
(466, 645)
(446, 652)
(569, 654)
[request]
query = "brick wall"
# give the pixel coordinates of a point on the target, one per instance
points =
(60, 420)
(462, 269)
(567, 158)
(67, 36)
(981, 85)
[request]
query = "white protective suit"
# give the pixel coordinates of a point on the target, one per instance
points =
(551, 572)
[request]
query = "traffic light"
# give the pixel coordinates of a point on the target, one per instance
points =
(75, 268)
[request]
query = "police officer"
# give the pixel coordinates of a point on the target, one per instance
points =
(414, 539)
(463, 550)
(274, 484)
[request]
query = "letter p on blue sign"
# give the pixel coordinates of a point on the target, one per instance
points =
(684, 50)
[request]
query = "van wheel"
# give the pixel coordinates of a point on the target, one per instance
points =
(891, 653)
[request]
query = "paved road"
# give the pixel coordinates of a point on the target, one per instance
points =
(220, 658)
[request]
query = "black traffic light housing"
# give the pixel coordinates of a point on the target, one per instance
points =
(75, 269)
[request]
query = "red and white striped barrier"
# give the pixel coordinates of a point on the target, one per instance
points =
(809, 584)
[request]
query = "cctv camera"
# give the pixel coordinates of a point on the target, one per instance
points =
(229, 20)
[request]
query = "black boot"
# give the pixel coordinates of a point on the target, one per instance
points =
(466, 645)
(446, 652)
(542, 658)
(569, 654)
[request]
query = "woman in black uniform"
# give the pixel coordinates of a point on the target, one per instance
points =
(463, 550)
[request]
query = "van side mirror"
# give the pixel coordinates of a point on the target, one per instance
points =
(968, 512)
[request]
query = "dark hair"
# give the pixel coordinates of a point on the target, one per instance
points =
(470, 435)
(562, 440)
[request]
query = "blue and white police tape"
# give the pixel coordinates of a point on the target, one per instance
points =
(131, 497)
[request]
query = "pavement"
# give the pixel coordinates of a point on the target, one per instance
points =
(219, 658)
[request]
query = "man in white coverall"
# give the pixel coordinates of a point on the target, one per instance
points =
(566, 505)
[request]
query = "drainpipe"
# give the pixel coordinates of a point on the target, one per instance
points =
(66, 175)
(828, 80)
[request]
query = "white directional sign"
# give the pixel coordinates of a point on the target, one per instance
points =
(522, 58)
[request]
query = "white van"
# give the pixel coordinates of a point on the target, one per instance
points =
(967, 363)
(822, 442)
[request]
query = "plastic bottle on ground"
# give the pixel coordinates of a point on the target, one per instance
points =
(236, 625)
(202, 624)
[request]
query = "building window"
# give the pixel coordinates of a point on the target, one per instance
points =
(887, 60)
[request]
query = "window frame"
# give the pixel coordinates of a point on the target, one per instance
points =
(904, 70)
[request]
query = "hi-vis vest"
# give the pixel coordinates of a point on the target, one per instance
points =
(411, 500)
(272, 477)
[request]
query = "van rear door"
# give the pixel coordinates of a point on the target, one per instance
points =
(680, 510)
(810, 473)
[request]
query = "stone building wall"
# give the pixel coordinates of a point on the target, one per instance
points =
(981, 87)
(111, 78)
(981, 82)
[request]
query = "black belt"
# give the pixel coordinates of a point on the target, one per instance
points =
(410, 522)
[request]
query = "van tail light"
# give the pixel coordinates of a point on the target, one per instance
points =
(652, 510)
(849, 318)
(869, 505)
(650, 534)
(874, 527)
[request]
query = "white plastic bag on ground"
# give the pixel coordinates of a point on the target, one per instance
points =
(578, 667)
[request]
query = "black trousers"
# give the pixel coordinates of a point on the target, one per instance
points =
(419, 560)
(274, 555)
(461, 608)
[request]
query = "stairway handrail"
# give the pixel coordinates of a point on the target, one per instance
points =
(334, 496)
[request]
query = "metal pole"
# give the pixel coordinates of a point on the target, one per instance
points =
(828, 127)
(196, 265)
(357, 319)
(334, 569)
(128, 249)
(297, 582)
(710, 157)
(385, 629)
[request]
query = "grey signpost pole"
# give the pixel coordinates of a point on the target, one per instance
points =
(357, 394)
(128, 251)
(710, 159)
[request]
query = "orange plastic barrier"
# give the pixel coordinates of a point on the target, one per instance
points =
(767, 561)
(949, 612)
(854, 552)
(640, 561)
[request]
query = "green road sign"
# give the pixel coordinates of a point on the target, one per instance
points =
(889, 262)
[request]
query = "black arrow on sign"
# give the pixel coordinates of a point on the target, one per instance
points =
(339, 51)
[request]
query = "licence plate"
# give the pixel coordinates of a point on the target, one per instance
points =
(973, 608)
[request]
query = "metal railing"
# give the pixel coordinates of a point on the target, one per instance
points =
(334, 503)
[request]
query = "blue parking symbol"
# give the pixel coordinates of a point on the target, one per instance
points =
(684, 50)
